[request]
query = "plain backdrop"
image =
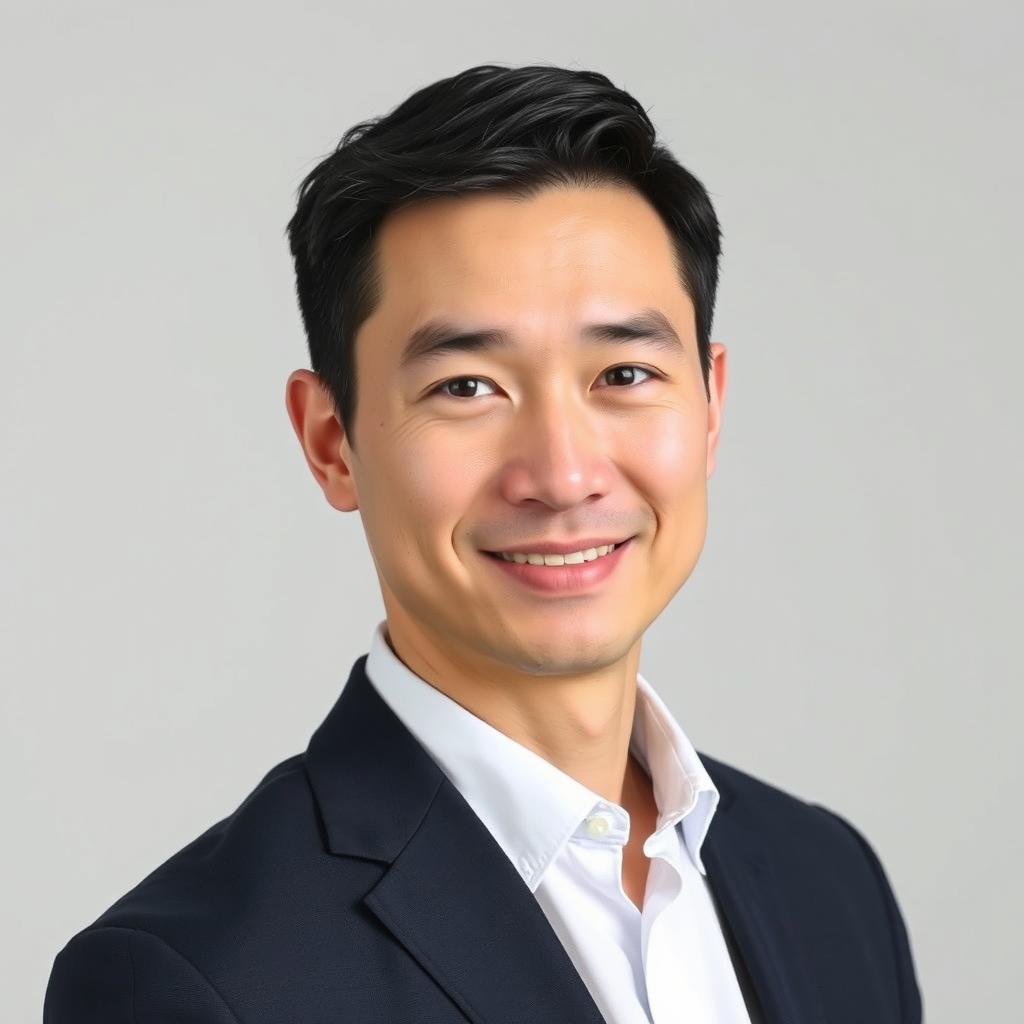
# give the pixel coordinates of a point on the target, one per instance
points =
(180, 606)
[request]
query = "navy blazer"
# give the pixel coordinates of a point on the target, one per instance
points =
(355, 884)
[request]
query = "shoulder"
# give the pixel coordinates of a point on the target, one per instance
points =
(233, 880)
(831, 875)
(783, 818)
(812, 848)
(272, 824)
(118, 975)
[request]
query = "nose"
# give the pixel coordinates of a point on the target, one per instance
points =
(557, 457)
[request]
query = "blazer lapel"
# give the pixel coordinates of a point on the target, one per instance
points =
(743, 881)
(450, 895)
(460, 907)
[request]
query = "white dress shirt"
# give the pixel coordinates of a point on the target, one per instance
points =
(666, 964)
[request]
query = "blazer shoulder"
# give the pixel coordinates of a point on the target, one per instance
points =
(109, 975)
(819, 851)
(775, 811)
(211, 889)
(804, 839)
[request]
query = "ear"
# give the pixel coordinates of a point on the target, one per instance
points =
(717, 379)
(322, 438)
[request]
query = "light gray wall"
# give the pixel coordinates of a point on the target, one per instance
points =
(180, 606)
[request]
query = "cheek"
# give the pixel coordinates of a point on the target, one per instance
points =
(431, 483)
(436, 480)
(671, 458)
(669, 469)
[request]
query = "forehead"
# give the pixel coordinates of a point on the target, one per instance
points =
(563, 253)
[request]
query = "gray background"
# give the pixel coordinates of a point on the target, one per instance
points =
(179, 605)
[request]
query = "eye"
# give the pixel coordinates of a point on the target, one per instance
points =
(460, 380)
(453, 380)
(629, 366)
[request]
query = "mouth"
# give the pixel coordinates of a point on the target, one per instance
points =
(562, 580)
(589, 551)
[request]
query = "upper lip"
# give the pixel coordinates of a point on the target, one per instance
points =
(560, 548)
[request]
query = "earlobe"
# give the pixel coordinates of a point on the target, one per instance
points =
(321, 438)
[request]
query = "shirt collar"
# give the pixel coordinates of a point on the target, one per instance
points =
(531, 807)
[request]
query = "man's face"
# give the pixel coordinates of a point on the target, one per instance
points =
(552, 437)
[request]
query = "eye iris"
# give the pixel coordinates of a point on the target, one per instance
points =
(625, 369)
(461, 381)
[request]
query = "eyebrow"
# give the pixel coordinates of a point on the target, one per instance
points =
(439, 337)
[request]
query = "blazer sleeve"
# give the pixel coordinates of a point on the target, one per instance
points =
(910, 993)
(127, 976)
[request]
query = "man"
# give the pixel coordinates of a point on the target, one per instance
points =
(508, 289)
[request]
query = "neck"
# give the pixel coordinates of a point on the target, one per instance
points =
(579, 722)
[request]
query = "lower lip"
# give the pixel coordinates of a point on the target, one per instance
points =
(562, 579)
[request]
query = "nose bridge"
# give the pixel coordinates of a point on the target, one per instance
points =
(557, 450)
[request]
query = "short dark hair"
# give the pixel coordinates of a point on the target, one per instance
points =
(511, 131)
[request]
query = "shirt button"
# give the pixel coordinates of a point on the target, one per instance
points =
(598, 825)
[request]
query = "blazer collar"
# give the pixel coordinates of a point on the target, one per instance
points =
(451, 896)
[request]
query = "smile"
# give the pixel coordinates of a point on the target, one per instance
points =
(561, 575)
(569, 558)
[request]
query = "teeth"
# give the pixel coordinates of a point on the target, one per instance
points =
(572, 558)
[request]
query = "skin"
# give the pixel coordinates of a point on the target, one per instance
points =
(542, 443)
